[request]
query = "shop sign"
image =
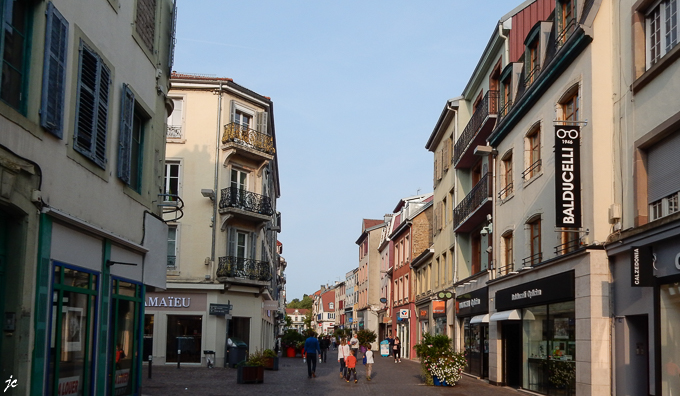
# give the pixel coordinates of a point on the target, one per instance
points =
(554, 288)
(69, 386)
(423, 312)
(641, 266)
(568, 176)
(438, 307)
(403, 314)
(175, 301)
(473, 303)
(122, 380)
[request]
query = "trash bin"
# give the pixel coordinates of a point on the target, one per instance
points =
(237, 351)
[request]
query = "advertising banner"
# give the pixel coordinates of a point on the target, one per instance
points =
(568, 176)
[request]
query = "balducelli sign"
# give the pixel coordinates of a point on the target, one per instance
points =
(554, 288)
(568, 176)
(473, 303)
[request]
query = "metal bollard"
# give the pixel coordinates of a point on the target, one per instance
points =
(150, 364)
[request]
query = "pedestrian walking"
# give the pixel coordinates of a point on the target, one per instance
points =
(369, 361)
(333, 344)
(351, 363)
(354, 344)
(396, 348)
(391, 341)
(343, 353)
(311, 349)
(325, 344)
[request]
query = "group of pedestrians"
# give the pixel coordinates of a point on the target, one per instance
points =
(347, 357)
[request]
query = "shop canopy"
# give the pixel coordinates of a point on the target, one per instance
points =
(514, 314)
(480, 319)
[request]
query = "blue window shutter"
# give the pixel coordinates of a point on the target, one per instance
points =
(54, 72)
(92, 106)
(127, 111)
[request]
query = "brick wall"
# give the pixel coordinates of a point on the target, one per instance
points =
(145, 23)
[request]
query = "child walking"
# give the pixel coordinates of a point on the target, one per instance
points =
(351, 363)
(369, 361)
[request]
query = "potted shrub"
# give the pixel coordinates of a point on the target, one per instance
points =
(271, 360)
(290, 340)
(441, 365)
(251, 371)
(365, 338)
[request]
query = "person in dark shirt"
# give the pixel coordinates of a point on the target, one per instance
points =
(325, 343)
(311, 349)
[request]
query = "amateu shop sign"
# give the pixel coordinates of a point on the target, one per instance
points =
(568, 176)
(554, 288)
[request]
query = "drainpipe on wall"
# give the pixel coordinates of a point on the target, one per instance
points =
(506, 44)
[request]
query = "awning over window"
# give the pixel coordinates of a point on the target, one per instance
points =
(506, 315)
(480, 319)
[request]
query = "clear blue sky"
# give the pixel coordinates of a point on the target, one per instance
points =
(357, 88)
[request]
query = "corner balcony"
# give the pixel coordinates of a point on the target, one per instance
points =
(249, 143)
(245, 204)
(476, 131)
(240, 270)
(472, 210)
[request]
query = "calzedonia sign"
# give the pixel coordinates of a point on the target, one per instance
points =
(568, 176)
(554, 288)
(473, 303)
(641, 265)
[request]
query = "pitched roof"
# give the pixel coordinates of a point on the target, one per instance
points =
(301, 311)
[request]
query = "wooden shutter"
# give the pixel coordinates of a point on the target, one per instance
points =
(54, 72)
(436, 216)
(253, 245)
(262, 122)
(127, 112)
(231, 241)
(445, 162)
(92, 106)
(232, 113)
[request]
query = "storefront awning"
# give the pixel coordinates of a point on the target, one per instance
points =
(480, 319)
(506, 315)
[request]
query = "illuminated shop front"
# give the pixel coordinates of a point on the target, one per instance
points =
(472, 309)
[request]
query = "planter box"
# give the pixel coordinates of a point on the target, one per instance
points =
(437, 382)
(250, 375)
(272, 363)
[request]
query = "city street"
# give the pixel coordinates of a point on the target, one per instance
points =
(291, 379)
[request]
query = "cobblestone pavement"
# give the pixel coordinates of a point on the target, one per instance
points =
(291, 379)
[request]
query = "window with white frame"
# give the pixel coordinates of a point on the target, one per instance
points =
(661, 29)
(175, 121)
(331, 305)
(172, 247)
(171, 183)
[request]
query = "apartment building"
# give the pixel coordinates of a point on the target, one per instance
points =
(223, 261)
(367, 288)
(297, 317)
(326, 312)
(385, 250)
(340, 319)
(643, 248)
(411, 235)
(351, 298)
(82, 112)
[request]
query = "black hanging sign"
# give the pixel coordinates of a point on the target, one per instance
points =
(641, 267)
(568, 176)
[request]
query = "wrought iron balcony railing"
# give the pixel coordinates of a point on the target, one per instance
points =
(233, 197)
(174, 132)
(488, 106)
(532, 260)
(236, 133)
(531, 77)
(239, 267)
(505, 192)
(532, 170)
(506, 269)
(479, 193)
(505, 108)
(568, 247)
(566, 31)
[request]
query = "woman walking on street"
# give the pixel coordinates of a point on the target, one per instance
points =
(396, 348)
(343, 353)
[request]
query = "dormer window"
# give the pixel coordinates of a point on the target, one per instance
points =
(532, 59)
(565, 14)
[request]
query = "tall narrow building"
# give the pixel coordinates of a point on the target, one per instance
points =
(223, 269)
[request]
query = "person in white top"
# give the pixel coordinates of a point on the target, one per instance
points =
(343, 352)
(369, 361)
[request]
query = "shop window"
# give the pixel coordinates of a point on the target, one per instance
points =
(125, 342)
(662, 29)
(184, 333)
(549, 349)
(72, 344)
(669, 317)
(533, 153)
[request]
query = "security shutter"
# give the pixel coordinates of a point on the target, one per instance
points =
(663, 168)
(54, 72)
(127, 111)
